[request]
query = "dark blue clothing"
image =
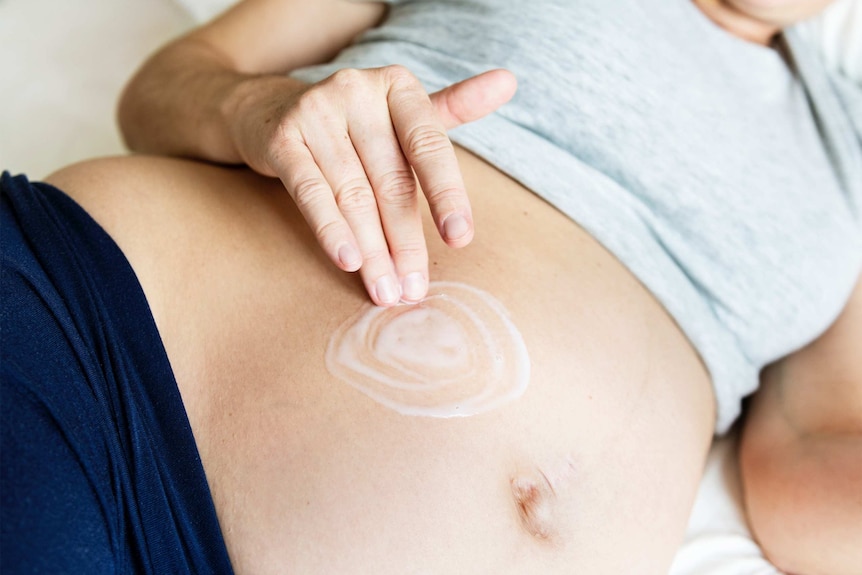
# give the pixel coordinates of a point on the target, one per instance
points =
(100, 471)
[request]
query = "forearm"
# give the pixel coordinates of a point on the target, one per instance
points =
(801, 454)
(184, 100)
(802, 490)
(178, 104)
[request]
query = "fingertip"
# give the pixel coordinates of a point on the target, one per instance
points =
(506, 84)
(457, 230)
(505, 76)
(385, 292)
(349, 258)
(414, 287)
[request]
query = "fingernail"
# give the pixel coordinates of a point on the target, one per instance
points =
(414, 286)
(455, 227)
(349, 257)
(387, 290)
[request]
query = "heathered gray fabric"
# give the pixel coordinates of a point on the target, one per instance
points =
(725, 179)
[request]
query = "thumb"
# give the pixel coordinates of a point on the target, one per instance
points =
(470, 99)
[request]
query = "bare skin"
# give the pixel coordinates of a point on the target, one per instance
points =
(596, 465)
(801, 454)
(758, 21)
(801, 448)
(345, 149)
(219, 94)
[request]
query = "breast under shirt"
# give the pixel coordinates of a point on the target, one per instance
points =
(724, 175)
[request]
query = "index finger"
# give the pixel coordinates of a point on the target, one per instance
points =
(427, 148)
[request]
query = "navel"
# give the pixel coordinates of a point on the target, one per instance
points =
(534, 502)
(537, 494)
(456, 353)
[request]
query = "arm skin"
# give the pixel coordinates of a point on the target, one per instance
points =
(354, 151)
(181, 100)
(801, 454)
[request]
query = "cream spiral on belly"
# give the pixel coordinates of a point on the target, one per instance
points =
(454, 354)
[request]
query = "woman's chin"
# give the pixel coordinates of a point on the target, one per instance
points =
(779, 13)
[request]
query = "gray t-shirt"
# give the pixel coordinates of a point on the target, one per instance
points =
(727, 180)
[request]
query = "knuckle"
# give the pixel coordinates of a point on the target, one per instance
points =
(348, 78)
(399, 75)
(312, 102)
(425, 140)
(376, 255)
(397, 187)
(408, 251)
(309, 192)
(326, 230)
(447, 197)
(355, 196)
(349, 85)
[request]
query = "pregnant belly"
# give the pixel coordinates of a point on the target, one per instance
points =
(583, 456)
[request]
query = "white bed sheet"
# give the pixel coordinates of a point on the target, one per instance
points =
(63, 66)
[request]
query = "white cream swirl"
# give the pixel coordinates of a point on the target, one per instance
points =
(454, 354)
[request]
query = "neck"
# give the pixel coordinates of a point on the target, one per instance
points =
(738, 23)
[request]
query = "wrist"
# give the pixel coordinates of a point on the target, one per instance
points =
(251, 110)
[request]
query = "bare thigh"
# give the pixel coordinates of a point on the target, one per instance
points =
(593, 469)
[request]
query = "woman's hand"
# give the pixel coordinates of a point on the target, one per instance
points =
(347, 149)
